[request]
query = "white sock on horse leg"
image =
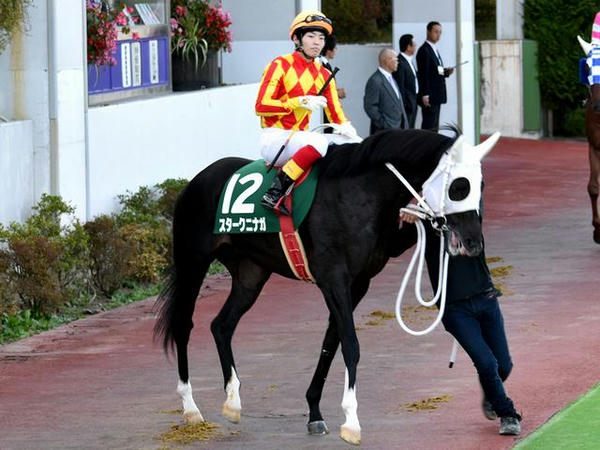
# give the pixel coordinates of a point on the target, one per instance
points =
(233, 405)
(191, 413)
(350, 430)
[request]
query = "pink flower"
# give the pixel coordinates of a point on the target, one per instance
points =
(135, 36)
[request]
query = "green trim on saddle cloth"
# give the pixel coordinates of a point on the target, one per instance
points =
(240, 210)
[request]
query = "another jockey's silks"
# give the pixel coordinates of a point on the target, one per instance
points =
(284, 81)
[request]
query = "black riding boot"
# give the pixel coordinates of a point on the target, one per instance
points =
(274, 195)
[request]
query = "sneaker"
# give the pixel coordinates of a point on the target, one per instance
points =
(510, 426)
(487, 409)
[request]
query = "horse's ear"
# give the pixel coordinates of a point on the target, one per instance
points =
(486, 146)
(457, 149)
(587, 47)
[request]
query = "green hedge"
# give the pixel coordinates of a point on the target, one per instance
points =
(555, 24)
(359, 21)
(52, 262)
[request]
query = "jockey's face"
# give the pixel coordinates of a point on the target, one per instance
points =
(312, 43)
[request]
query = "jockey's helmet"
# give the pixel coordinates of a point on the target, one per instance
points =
(310, 21)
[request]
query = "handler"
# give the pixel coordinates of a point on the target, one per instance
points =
(286, 98)
(474, 318)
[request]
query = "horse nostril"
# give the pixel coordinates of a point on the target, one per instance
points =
(596, 106)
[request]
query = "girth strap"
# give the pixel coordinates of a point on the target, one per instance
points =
(293, 249)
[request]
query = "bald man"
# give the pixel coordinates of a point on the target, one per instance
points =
(383, 100)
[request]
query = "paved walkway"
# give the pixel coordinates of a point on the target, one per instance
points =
(101, 383)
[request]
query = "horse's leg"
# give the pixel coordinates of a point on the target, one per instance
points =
(593, 189)
(248, 279)
(316, 424)
(185, 294)
(338, 297)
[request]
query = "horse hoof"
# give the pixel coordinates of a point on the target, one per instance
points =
(350, 435)
(317, 428)
(193, 417)
(231, 414)
(597, 235)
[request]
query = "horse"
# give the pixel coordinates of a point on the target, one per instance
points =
(349, 234)
(592, 127)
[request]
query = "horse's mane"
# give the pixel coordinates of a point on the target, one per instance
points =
(404, 147)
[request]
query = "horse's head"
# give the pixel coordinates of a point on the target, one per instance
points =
(453, 191)
(592, 66)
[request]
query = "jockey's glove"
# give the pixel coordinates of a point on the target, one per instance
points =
(347, 129)
(313, 102)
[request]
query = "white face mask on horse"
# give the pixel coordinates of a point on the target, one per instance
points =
(454, 189)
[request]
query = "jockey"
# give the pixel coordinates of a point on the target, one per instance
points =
(286, 98)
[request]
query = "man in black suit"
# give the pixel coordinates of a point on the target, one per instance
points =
(432, 78)
(382, 101)
(406, 77)
(327, 54)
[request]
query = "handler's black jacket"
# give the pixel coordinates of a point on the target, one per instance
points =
(468, 276)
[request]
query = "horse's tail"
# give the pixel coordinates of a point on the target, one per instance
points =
(192, 256)
(194, 249)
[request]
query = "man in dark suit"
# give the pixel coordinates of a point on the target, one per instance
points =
(432, 78)
(327, 54)
(382, 101)
(406, 77)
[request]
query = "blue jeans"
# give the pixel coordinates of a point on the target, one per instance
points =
(478, 326)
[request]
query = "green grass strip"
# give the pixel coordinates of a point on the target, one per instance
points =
(575, 427)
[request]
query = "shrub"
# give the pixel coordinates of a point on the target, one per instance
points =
(7, 303)
(33, 276)
(149, 261)
(13, 19)
(145, 220)
(574, 123)
(558, 50)
(170, 190)
(360, 21)
(47, 263)
(138, 207)
(111, 254)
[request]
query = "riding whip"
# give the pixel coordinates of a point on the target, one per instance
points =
(287, 141)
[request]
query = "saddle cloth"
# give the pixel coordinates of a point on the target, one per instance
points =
(240, 210)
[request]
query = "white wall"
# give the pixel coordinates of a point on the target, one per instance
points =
(24, 89)
(147, 141)
(16, 170)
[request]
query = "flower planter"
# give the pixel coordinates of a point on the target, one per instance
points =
(187, 77)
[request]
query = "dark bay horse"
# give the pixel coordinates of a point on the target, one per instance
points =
(349, 234)
(592, 127)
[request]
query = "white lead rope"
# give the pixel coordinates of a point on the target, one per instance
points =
(441, 289)
(423, 211)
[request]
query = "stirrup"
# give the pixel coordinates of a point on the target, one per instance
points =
(278, 206)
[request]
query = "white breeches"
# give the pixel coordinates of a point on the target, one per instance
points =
(272, 139)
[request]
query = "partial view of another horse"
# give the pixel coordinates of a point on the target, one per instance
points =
(349, 234)
(592, 126)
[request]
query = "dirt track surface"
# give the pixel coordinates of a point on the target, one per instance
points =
(101, 382)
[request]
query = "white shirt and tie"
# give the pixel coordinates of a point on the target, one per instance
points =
(409, 59)
(388, 76)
